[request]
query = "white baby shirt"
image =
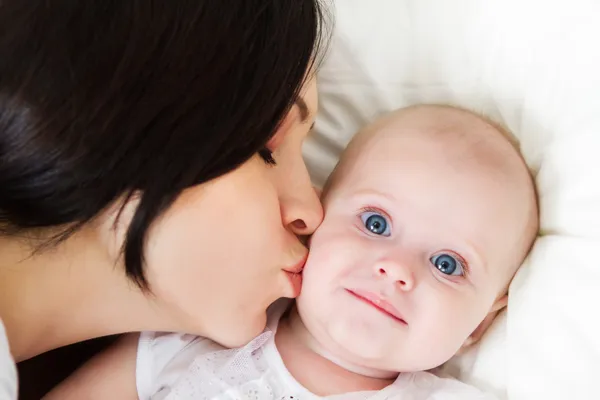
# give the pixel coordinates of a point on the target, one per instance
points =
(184, 367)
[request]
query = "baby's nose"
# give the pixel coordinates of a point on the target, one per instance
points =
(398, 272)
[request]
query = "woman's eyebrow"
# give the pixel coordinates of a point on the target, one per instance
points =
(303, 108)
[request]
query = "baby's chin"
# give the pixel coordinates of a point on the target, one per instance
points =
(360, 353)
(363, 345)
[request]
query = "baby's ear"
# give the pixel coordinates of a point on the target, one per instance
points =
(318, 191)
(478, 333)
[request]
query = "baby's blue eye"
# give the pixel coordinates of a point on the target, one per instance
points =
(447, 264)
(375, 223)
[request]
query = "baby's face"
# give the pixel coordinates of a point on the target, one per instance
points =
(419, 241)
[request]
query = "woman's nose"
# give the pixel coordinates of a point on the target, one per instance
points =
(399, 272)
(301, 210)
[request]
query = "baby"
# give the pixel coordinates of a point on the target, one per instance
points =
(428, 216)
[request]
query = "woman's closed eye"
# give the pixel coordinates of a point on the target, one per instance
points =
(375, 222)
(266, 153)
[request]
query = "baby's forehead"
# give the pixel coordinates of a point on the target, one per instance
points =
(451, 135)
(423, 151)
(433, 123)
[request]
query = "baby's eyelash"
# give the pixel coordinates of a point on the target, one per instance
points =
(463, 263)
(376, 210)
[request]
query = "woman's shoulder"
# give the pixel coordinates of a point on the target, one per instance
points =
(8, 372)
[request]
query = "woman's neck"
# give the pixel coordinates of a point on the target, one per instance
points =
(65, 295)
(325, 375)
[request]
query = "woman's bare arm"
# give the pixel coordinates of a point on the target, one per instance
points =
(109, 375)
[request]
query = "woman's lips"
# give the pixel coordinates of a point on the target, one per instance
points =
(298, 267)
(378, 303)
(295, 279)
(294, 275)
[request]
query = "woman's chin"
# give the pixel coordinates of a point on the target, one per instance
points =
(242, 332)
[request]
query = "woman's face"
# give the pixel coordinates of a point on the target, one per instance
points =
(218, 257)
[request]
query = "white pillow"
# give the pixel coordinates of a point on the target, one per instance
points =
(535, 67)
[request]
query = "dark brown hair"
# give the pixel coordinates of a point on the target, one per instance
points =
(101, 99)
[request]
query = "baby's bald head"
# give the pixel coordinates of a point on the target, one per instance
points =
(464, 135)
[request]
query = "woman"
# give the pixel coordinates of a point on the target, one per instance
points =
(151, 175)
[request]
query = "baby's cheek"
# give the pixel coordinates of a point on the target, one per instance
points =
(321, 267)
(465, 322)
(318, 276)
(314, 276)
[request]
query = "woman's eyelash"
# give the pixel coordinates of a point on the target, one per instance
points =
(267, 156)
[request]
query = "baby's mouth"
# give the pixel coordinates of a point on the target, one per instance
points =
(378, 303)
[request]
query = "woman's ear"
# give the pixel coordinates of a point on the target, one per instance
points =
(478, 333)
(113, 223)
